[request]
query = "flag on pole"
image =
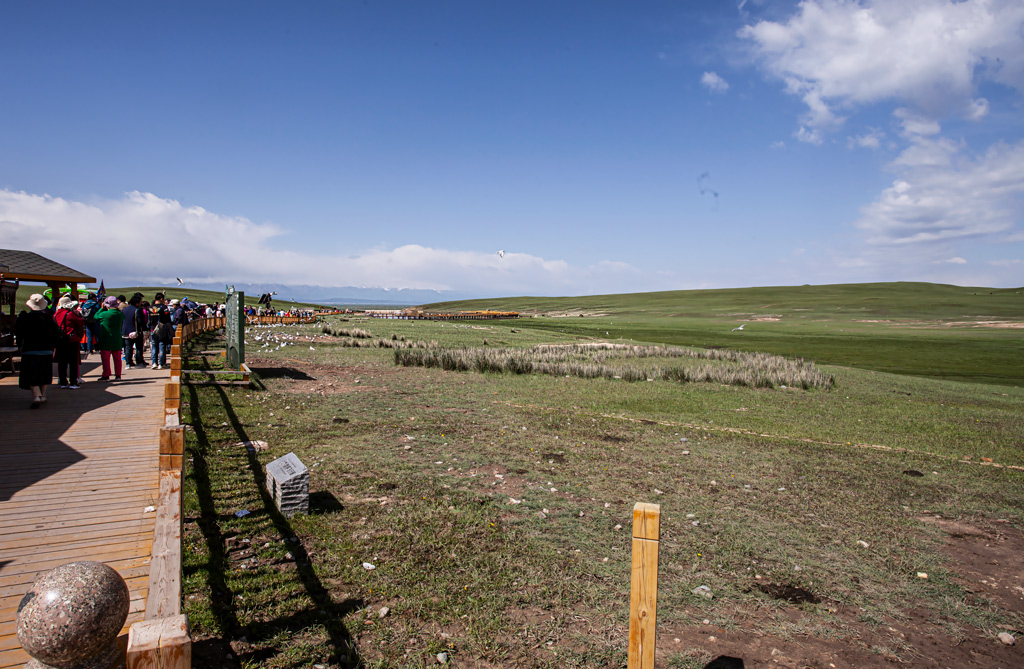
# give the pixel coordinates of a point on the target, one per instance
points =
(101, 292)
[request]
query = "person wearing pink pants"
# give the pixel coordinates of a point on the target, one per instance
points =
(108, 329)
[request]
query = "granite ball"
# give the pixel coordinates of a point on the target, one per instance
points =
(72, 614)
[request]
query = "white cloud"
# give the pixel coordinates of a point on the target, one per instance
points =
(928, 152)
(714, 83)
(201, 246)
(956, 260)
(869, 140)
(977, 109)
(1007, 262)
(951, 199)
(809, 136)
(915, 124)
(777, 145)
(836, 54)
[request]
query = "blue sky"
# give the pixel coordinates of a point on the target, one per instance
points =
(604, 146)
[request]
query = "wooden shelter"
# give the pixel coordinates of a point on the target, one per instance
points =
(18, 266)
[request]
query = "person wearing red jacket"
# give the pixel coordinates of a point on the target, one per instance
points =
(71, 326)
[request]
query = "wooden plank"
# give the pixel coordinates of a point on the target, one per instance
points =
(91, 548)
(165, 568)
(77, 517)
(13, 583)
(643, 597)
(72, 536)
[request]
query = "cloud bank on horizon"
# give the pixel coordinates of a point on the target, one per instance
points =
(912, 108)
(201, 246)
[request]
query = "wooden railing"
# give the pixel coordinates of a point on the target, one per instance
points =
(162, 641)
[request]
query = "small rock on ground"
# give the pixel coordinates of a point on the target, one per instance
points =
(1006, 638)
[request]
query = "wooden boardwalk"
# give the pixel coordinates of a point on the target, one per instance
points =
(77, 477)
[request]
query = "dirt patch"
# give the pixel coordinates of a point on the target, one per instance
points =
(574, 314)
(300, 377)
(988, 560)
(1011, 325)
(917, 641)
(789, 593)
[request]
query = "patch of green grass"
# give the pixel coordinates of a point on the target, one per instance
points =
(918, 329)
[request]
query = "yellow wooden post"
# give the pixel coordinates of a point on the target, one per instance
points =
(643, 593)
(172, 448)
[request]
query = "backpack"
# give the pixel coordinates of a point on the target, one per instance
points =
(66, 335)
(89, 313)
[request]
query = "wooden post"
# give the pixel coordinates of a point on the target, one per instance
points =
(172, 393)
(643, 594)
(172, 448)
(161, 643)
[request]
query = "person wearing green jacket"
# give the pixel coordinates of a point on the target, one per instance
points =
(108, 330)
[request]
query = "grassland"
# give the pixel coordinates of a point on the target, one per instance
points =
(495, 508)
(919, 329)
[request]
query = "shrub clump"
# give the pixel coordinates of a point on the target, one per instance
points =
(355, 333)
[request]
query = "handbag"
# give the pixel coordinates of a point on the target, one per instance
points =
(164, 332)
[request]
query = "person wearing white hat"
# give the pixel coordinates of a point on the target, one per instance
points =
(36, 335)
(71, 327)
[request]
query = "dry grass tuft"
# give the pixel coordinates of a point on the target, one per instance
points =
(738, 368)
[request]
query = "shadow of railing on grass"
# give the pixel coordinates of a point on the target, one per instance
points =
(328, 613)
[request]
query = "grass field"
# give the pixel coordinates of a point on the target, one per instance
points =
(919, 329)
(495, 508)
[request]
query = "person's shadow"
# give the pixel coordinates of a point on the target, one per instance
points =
(31, 441)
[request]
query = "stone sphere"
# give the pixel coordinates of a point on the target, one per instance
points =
(72, 614)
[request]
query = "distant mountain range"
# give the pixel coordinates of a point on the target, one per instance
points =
(343, 294)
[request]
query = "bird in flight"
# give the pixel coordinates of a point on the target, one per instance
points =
(179, 281)
(739, 328)
(501, 254)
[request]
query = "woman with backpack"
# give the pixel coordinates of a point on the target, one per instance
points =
(71, 327)
(89, 309)
(163, 332)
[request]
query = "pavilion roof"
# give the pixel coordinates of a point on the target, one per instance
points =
(29, 266)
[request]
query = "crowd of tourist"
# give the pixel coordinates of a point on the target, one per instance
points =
(120, 329)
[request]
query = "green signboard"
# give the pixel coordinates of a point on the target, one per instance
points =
(234, 328)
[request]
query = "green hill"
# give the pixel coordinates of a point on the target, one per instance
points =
(924, 329)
